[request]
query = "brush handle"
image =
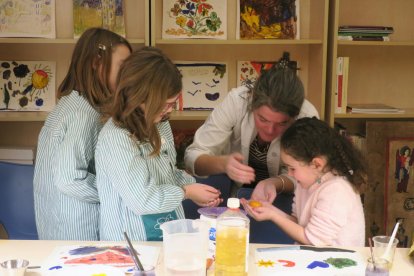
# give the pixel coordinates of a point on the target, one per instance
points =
(391, 241)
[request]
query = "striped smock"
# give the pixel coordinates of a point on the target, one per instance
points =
(65, 194)
(133, 185)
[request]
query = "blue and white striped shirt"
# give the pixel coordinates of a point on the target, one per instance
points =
(133, 184)
(65, 194)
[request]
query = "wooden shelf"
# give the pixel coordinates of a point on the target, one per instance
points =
(375, 43)
(409, 113)
(23, 116)
(240, 42)
(54, 41)
(189, 115)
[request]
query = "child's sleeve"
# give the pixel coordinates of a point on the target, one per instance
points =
(74, 173)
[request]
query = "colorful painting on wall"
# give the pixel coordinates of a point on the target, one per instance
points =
(194, 19)
(27, 18)
(307, 260)
(249, 71)
(108, 14)
(267, 19)
(383, 140)
(27, 85)
(97, 259)
(204, 85)
(399, 190)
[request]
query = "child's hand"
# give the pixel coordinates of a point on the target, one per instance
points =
(203, 195)
(264, 212)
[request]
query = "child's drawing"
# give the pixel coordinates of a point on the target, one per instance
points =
(27, 18)
(108, 14)
(268, 19)
(204, 85)
(249, 71)
(194, 19)
(97, 259)
(27, 85)
(294, 261)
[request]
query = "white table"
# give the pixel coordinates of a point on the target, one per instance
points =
(36, 252)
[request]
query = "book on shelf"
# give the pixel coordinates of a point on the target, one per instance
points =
(373, 108)
(366, 29)
(363, 38)
(341, 91)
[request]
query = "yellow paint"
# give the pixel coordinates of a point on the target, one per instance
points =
(265, 263)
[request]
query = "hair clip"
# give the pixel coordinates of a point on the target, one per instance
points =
(351, 172)
(101, 47)
(284, 62)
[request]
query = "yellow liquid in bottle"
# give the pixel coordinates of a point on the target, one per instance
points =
(231, 251)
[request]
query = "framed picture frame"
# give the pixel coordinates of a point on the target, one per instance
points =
(383, 138)
(399, 188)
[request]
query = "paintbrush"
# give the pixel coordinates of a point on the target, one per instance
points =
(372, 253)
(133, 253)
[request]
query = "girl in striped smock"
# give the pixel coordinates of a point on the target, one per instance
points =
(138, 182)
(65, 193)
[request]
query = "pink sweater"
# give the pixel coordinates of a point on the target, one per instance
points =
(331, 212)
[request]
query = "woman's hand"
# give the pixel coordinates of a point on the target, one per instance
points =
(237, 171)
(265, 190)
(203, 195)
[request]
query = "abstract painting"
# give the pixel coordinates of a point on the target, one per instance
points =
(27, 85)
(108, 14)
(194, 19)
(399, 190)
(27, 18)
(267, 19)
(249, 71)
(97, 259)
(292, 260)
(204, 85)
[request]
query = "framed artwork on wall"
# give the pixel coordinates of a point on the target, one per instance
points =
(383, 204)
(399, 189)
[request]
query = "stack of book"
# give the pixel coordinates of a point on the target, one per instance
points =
(365, 33)
(373, 108)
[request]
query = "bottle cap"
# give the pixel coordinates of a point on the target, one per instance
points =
(233, 203)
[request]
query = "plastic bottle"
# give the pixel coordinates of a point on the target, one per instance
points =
(232, 241)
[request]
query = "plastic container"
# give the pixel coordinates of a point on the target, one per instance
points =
(185, 243)
(232, 241)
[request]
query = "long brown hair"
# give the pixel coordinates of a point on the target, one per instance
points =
(90, 66)
(146, 80)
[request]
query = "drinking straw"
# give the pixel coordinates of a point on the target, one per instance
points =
(372, 253)
(133, 254)
(386, 254)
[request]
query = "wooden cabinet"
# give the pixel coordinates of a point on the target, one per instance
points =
(22, 128)
(379, 72)
(310, 50)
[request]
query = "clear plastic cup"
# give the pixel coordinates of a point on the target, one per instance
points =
(378, 267)
(185, 247)
(380, 245)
